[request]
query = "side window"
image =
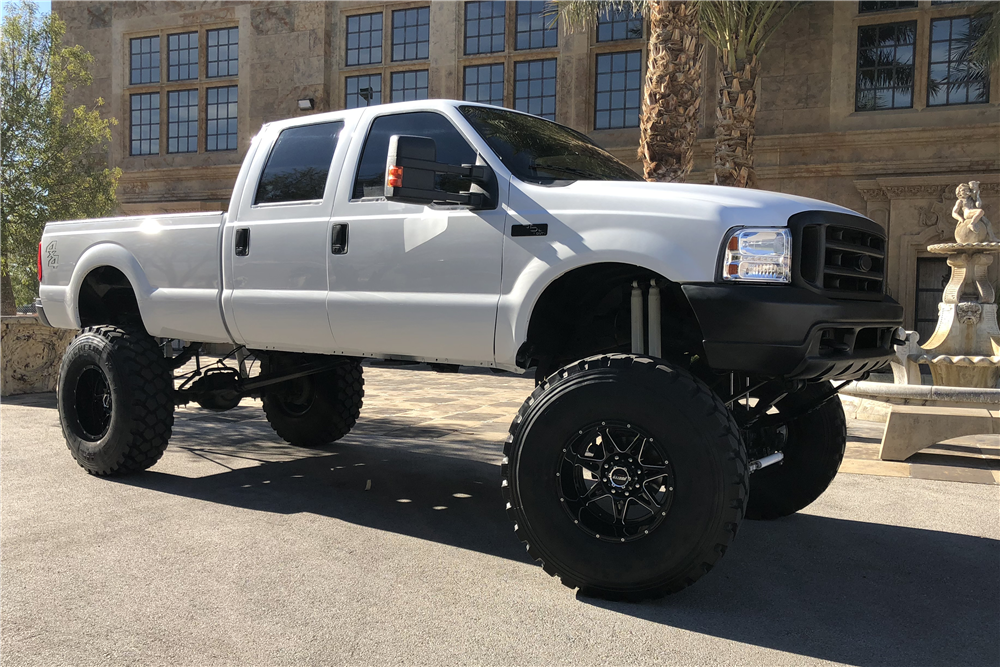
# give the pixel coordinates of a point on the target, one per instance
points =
(451, 147)
(298, 165)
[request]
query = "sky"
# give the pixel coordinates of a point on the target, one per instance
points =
(46, 7)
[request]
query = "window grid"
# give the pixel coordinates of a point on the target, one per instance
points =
(407, 86)
(145, 60)
(221, 131)
(223, 52)
(617, 90)
(364, 39)
(535, 87)
(952, 78)
(145, 124)
(484, 27)
(868, 6)
(616, 25)
(182, 56)
(354, 87)
(533, 30)
(484, 83)
(411, 34)
(182, 121)
(885, 66)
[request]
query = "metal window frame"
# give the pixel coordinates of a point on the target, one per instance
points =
(896, 45)
(406, 11)
(362, 76)
(930, 62)
(229, 61)
(132, 124)
(403, 73)
(232, 139)
(597, 91)
(370, 31)
(186, 124)
(184, 50)
(544, 30)
(555, 78)
(479, 20)
(479, 67)
(614, 20)
(158, 64)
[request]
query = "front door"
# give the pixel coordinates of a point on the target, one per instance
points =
(413, 280)
(278, 245)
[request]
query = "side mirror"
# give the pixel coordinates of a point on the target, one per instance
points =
(412, 175)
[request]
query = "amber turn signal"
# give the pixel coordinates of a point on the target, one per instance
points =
(394, 177)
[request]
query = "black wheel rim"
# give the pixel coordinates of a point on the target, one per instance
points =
(93, 404)
(615, 481)
(296, 396)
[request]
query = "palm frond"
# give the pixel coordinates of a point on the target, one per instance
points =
(583, 14)
(985, 51)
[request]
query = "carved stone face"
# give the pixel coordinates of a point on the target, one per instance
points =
(963, 191)
(969, 313)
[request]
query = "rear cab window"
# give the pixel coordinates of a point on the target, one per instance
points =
(299, 164)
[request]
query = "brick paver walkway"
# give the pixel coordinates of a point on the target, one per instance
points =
(458, 410)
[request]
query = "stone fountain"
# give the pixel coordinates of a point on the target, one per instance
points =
(964, 350)
(963, 353)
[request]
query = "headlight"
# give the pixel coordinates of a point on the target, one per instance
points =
(758, 254)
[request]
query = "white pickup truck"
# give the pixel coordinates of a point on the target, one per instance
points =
(682, 336)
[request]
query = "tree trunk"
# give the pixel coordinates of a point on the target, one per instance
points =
(669, 124)
(734, 124)
(7, 304)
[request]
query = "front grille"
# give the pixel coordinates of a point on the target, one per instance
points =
(843, 261)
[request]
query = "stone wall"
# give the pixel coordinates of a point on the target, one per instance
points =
(31, 353)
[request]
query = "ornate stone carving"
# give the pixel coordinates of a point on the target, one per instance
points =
(969, 312)
(973, 225)
(913, 191)
(936, 215)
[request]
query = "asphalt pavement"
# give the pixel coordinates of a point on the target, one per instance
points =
(392, 547)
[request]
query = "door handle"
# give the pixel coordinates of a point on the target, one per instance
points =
(242, 241)
(338, 239)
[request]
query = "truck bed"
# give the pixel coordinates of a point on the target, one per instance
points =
(172, 260)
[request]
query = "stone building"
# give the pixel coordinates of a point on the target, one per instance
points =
(855, 104)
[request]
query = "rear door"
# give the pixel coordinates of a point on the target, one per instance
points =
(278, 246)
(413, 280)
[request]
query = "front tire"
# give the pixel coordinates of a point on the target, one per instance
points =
(624, 476)
(813, 445)
(314, 410)
(115, 400)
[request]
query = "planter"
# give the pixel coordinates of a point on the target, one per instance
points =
(30, 354)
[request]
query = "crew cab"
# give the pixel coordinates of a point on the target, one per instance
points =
(682, 336)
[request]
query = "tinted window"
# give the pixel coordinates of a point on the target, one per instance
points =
(452, 147)
(299, 163)
(539, 151)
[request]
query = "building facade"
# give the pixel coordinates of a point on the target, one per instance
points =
(871, 105)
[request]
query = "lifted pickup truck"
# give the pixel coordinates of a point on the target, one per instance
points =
(682, 336)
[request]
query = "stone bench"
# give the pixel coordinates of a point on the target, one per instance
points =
(922, 416)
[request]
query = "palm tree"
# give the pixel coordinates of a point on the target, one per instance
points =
(739, 30)
(672, 93)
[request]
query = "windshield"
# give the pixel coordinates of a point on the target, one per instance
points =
(538, 151)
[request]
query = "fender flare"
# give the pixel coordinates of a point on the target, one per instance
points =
(518, 304)
(117, 257)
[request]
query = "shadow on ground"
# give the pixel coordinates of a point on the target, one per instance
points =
(847, 591)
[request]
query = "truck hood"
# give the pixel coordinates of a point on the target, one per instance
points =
(727, 205)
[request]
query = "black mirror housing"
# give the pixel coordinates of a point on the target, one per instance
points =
(411, 175)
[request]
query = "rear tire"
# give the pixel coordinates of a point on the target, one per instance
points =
(115, 400)
(314, 410)
(813, 448)
(675, 486)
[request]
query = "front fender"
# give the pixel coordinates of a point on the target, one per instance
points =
(646, 250)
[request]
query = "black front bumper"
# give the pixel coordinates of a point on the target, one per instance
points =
(792, 332)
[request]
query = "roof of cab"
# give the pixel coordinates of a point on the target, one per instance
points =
(345, 114)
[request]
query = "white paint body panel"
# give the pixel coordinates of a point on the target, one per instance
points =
(431, 283)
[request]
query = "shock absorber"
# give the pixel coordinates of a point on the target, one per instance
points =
(637, 328)
(655, 344)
